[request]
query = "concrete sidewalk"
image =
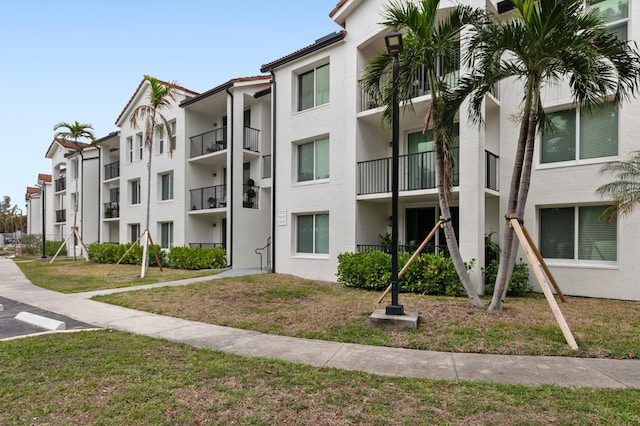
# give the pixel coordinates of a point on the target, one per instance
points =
(528, 370)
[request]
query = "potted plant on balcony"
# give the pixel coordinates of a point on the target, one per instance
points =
(212, 202)
(107, 213)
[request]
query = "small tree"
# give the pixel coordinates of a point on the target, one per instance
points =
(624, 191)
(159, 98)
(66, 132)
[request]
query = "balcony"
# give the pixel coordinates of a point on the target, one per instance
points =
(210, 197)
(61, 184)
(420, 85)
(112, 170)
(61, 215)
(250, 195)
(205, 245)
(111, 210)
(208, 142)
(404, 248)
(251, 139)
(416, 172)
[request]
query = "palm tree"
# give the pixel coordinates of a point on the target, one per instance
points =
(159, 98)
(73, 132)
(429, 40)
(624, 192)
(547, 42)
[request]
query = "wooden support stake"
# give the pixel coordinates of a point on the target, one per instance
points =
(543, 264)
(535, 266)
(126, 253)
(415, 254)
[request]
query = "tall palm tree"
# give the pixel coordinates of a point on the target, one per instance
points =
(431, 42)
(624, 191)
(73, 132)
(546, 43)
(159, 98)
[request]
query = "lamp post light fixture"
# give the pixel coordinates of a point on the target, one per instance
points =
(394, 47)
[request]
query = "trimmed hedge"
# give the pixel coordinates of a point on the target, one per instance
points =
(112, 253)
(519, 284)
(178, 257)
(197, 258)
(430, 273)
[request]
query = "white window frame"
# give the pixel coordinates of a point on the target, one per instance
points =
(576, 260)
(172, 124)
(164, 244)
(140, 145)
(577, 142)
(617, 23)
(134, 227)
(163, 180)
(296, 240)
(130, 149)
(298, 82)
(134, 183)
(314, 178)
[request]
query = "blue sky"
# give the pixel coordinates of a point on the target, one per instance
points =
(81, 60)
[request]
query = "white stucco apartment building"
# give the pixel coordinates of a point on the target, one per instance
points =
(292, 168)
(332, 165)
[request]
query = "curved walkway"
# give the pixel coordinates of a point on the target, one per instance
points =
(528, 370)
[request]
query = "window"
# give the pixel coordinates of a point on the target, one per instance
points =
(134, 232)
(130, 149)
(615, 13)
(74, 169)
(166, 183)
(74, 201)
(577, 233)
(172, 124)
(313, 233)
(313, 88)
(140, 145)
(580, 137)
(134, 186)
(313, 160)
(166, 235)
(161, 139)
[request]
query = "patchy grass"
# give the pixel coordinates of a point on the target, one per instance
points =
(105, 377)
(287, 305)
(69, 276)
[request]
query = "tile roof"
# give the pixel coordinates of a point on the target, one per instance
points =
(183, 89)
(320, 43)
(224, 86)
(42, 177)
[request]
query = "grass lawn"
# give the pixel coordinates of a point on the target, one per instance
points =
(291, 306)
(69, 276)
(109, 377)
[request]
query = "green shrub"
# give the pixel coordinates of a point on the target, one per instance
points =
(430, 273)
(519, 284)
(51, 247)
(368, 270)
(112, 253)
(197, 258)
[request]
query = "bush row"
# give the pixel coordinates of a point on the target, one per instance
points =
(430, 273)
(177, 257)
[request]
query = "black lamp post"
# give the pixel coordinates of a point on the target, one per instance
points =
(394, 47)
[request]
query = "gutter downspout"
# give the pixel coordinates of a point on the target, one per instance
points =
(273, 172)
(230, 182)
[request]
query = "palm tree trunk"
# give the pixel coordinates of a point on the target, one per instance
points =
(442, 165)
(505, 268)
(145, 247)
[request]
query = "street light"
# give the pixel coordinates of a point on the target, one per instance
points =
(394, 47)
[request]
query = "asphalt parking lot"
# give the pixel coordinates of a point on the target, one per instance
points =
(11, 327)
